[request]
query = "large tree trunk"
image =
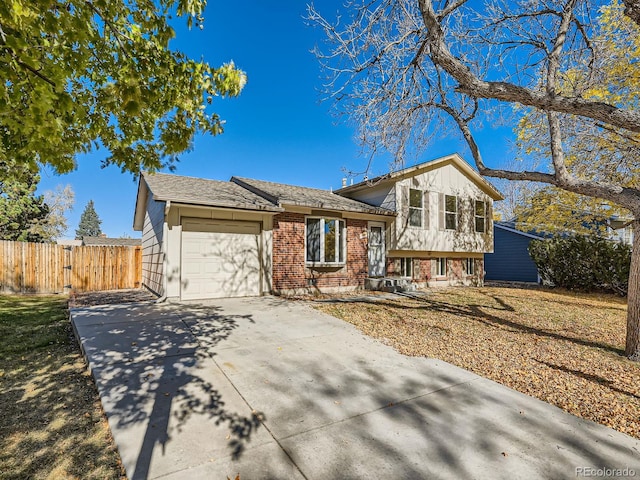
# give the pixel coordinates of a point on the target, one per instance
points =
(632, 349)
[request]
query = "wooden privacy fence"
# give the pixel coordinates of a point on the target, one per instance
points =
(50, 268)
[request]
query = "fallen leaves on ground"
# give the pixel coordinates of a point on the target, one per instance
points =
(561, 347)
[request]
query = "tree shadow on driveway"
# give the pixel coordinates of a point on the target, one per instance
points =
(160, 389)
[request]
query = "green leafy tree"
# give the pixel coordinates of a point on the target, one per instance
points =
(554, 210)
(79, 74)
(89, 225)
(21, 210)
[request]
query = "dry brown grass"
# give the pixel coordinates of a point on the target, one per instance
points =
(561, 347)
(52, 425)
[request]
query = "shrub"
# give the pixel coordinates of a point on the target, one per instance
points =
(582, 262)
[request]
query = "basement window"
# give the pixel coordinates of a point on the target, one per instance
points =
(470, 266)
(406, 267)
(441, 267)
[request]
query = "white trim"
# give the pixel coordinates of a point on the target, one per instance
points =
(455, 158)
(340, 237)
(469, 261)
(446, 267)
(420, 208)
(404, 261)
(483, 216)
(449, 212)
(384, 245)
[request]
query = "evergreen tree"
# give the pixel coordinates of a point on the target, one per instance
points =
(21, 211)
(89, 225)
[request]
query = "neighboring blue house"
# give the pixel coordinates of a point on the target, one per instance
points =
(510, 260)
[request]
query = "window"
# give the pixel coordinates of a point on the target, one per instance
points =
(480, 216)
(325, 240)
(441, 267)
(406, 267)
(450, 212)
(415, 207)
(470, 266)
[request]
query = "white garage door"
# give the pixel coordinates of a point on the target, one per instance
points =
(220, 259)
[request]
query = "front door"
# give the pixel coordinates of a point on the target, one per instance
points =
(376, 250)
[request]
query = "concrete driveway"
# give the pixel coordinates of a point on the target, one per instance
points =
(272, 389)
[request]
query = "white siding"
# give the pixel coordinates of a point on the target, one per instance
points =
(446, 180)
(152, 253)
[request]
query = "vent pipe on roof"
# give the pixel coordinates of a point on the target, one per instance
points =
(352, 181)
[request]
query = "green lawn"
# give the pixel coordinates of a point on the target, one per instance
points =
(51, 422)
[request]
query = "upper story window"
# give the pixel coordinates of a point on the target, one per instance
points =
(416, 207)
(450, 212)
(326, 240)
(480, 216)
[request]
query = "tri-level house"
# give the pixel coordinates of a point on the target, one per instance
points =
(429, 224)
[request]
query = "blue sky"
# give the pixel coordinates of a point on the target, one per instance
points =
(277, 129)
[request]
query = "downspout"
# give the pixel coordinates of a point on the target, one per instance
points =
(165, 232)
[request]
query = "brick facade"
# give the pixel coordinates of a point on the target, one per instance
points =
(290, 272)
(424, 268)
(289, 269)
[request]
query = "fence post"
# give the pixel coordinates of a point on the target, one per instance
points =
(67, 267)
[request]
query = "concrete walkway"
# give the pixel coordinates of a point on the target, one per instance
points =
(271, 389)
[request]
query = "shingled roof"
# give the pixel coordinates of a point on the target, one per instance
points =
(454, 159)
(201, 191)
(282, 194)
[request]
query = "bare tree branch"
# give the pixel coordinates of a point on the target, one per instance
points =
(404, 69)
(473, 86)
(632, 10)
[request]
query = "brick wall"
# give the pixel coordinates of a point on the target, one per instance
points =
(288, 251)
(423, 268)
(454, 268)
(289, 269)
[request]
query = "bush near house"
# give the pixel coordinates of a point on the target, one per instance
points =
(585, 263)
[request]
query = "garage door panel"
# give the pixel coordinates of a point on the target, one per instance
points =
(223, 263)
(215, 227)
(212, 268)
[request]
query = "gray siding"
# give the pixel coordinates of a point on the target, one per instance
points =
(510, 260)
(152, 252)
(379, 196)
